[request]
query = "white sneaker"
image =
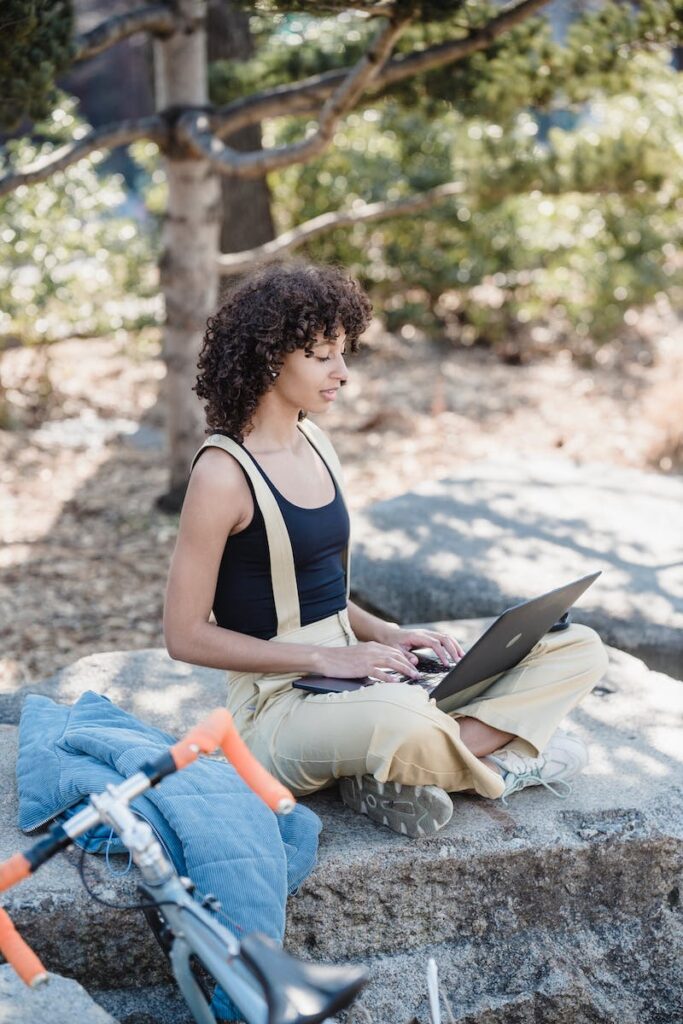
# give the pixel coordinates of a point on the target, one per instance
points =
(563, 758)
(409, 810)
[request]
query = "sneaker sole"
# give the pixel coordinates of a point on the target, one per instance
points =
(409, 810)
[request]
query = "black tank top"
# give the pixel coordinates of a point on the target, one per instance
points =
(244, 593)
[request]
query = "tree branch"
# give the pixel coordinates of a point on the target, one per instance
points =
(237, 262)
(107, 137)
(375, 8)
(157, 19)
(305, 97)
(194, 131)
(234, 263)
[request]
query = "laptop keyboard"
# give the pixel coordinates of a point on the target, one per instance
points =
(429, 677)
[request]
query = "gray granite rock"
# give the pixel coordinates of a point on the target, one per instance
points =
(540, 976)
(535, 911)
(508, 529)
(610, 851)
(59, 1001)
(145, 1004)
(169, 694)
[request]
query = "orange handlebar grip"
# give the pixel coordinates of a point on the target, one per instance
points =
(204, 738)
(13, 870)
(272, 792)
(18, 953)
(218, 730)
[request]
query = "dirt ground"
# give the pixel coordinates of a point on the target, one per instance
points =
(85, 554)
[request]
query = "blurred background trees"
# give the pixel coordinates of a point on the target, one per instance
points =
(567, 135)
(553, 239)
(563, 137)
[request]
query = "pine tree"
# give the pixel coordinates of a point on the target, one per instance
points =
(473, 54)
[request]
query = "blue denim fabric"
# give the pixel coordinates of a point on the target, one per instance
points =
(212, 826)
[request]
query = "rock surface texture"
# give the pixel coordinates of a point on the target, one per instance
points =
(546, 910)
(503, 531)
(59, 1001)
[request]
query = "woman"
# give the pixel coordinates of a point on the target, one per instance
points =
(263, 541)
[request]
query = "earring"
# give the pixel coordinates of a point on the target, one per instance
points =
(273, 373)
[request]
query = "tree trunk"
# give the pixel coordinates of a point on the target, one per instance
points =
(229, 39)
(189, 276)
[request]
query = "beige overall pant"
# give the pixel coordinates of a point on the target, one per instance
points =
(392, 730)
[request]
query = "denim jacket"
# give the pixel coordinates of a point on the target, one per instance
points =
(212, 826)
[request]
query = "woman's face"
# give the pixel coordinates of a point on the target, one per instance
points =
(311, 382)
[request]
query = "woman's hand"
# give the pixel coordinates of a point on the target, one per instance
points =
(444, 646)
(381, 661)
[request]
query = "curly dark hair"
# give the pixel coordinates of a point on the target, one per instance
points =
(270, 312)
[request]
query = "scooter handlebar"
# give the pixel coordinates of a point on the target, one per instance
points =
(18, 953)
(218, 730)
(14, 870)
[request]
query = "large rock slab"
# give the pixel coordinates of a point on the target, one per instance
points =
(171, 695)
(535, 861)
(505, 530)
(59, 1000)
(147, 1004)
(535, 977)
(533, 911)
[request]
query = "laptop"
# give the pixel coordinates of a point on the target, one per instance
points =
(499, 648)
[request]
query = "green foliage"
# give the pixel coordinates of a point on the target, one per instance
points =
(154, 185)
(577, 230)
(70, 261)
(291, 49)
(427, 10)
(35, 46)
(584, 226)
(523, 67)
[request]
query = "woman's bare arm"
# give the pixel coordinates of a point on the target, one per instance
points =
(217, 501)
(367, 626)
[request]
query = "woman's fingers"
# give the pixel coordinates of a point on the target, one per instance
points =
(447, 647)
(442, 651)
(444, 647)
(388, 675)
(393, 659)
(402, 665)
(383, 677)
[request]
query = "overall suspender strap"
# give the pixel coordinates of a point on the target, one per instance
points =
(282, 571)
(323, 446)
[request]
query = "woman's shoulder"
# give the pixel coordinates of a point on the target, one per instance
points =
(218, 493)
(215, 471)
(215, 442)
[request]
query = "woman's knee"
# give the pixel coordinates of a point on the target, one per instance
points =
(405, 712)
(591, 646)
